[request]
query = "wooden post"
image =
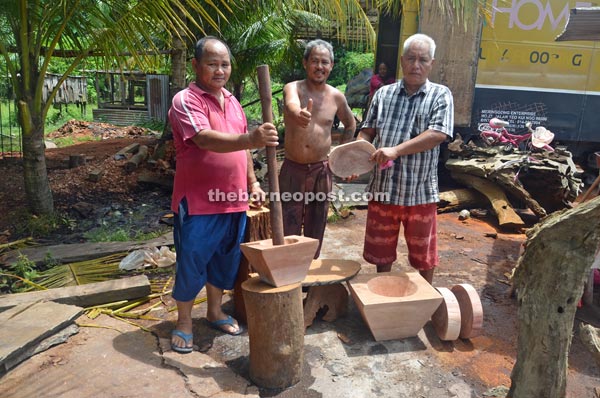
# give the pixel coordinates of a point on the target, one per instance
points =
(276, 333)
(264, 88)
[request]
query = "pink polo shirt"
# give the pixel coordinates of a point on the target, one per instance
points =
(212, 183)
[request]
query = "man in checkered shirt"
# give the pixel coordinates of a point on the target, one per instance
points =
(407, 121)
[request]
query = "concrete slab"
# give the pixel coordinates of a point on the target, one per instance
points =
(26, 325)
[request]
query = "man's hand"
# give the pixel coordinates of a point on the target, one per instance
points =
(257, 196)
(384, 155)
(264, 135)
(351, 177)
(305, 114)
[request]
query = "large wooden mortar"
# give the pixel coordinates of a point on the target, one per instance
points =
(273, 300)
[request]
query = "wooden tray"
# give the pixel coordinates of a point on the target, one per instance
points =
(446, 319)
(471, 311)
(351, 158)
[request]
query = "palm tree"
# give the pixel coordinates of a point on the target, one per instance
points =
(33, 32)
(36, 31)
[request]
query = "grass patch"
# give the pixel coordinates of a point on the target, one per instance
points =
(62, 142)
(40, 226)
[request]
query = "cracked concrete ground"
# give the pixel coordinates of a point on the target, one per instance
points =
(110, 358)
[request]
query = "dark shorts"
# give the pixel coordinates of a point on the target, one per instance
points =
(207, 249)
(420, 233)
(302, 216)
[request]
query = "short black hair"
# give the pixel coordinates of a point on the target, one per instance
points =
(199, 49)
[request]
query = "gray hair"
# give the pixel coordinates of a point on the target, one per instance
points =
(318, 43)
(422, 38)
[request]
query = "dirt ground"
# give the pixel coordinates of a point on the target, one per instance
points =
(82, 204)
(473, 251)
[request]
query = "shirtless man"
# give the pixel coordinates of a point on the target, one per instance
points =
(310, 106)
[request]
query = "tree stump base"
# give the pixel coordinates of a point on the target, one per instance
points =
(276, 332)
(333, 299)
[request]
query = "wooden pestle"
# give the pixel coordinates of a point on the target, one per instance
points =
(264, 87)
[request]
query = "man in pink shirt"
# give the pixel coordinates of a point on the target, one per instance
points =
(214, 181)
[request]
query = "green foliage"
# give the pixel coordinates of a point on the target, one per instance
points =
(357, 62)
(21, 271)
(252, 106)
(43, 225)
(338, 214)
(348, 64)
(106, 233)
(50, 261)
(62, 142)
(154, 125)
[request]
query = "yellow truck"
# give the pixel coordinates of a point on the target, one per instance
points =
(509, 65)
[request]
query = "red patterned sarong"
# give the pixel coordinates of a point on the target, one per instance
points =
(420, 233)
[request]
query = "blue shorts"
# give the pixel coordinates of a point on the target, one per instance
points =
(207, 249)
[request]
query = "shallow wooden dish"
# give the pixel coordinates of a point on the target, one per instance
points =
(446, 319)
(471, 311)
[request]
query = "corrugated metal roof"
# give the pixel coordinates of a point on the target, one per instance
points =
(583, 24)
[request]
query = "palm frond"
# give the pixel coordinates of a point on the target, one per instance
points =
(81, 273)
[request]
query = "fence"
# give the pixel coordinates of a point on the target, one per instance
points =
(72, 91)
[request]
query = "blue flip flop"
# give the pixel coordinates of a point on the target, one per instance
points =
(218, 325)
(188, 338)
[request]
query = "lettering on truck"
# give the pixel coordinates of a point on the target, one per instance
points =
(524, 75)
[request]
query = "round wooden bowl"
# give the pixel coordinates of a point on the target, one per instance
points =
(446, 319)
(471, 311)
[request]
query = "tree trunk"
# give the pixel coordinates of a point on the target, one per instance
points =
(35, 174)
(178, 80)
(549, 280)
(178, 63)
(276, 333)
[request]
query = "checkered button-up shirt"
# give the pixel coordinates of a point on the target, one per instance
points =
(398, 117)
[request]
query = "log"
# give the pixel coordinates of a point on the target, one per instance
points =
(95, 175)
(135, 161)
(458, 199)
(84, 295)
(147, 177)
(548, 280)
(76, 160)
(131, 148)
(590, 336)
(73, 252)
(549, 178)
(507, 181)
(276, 333)
(507, 217)
(258, 227)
